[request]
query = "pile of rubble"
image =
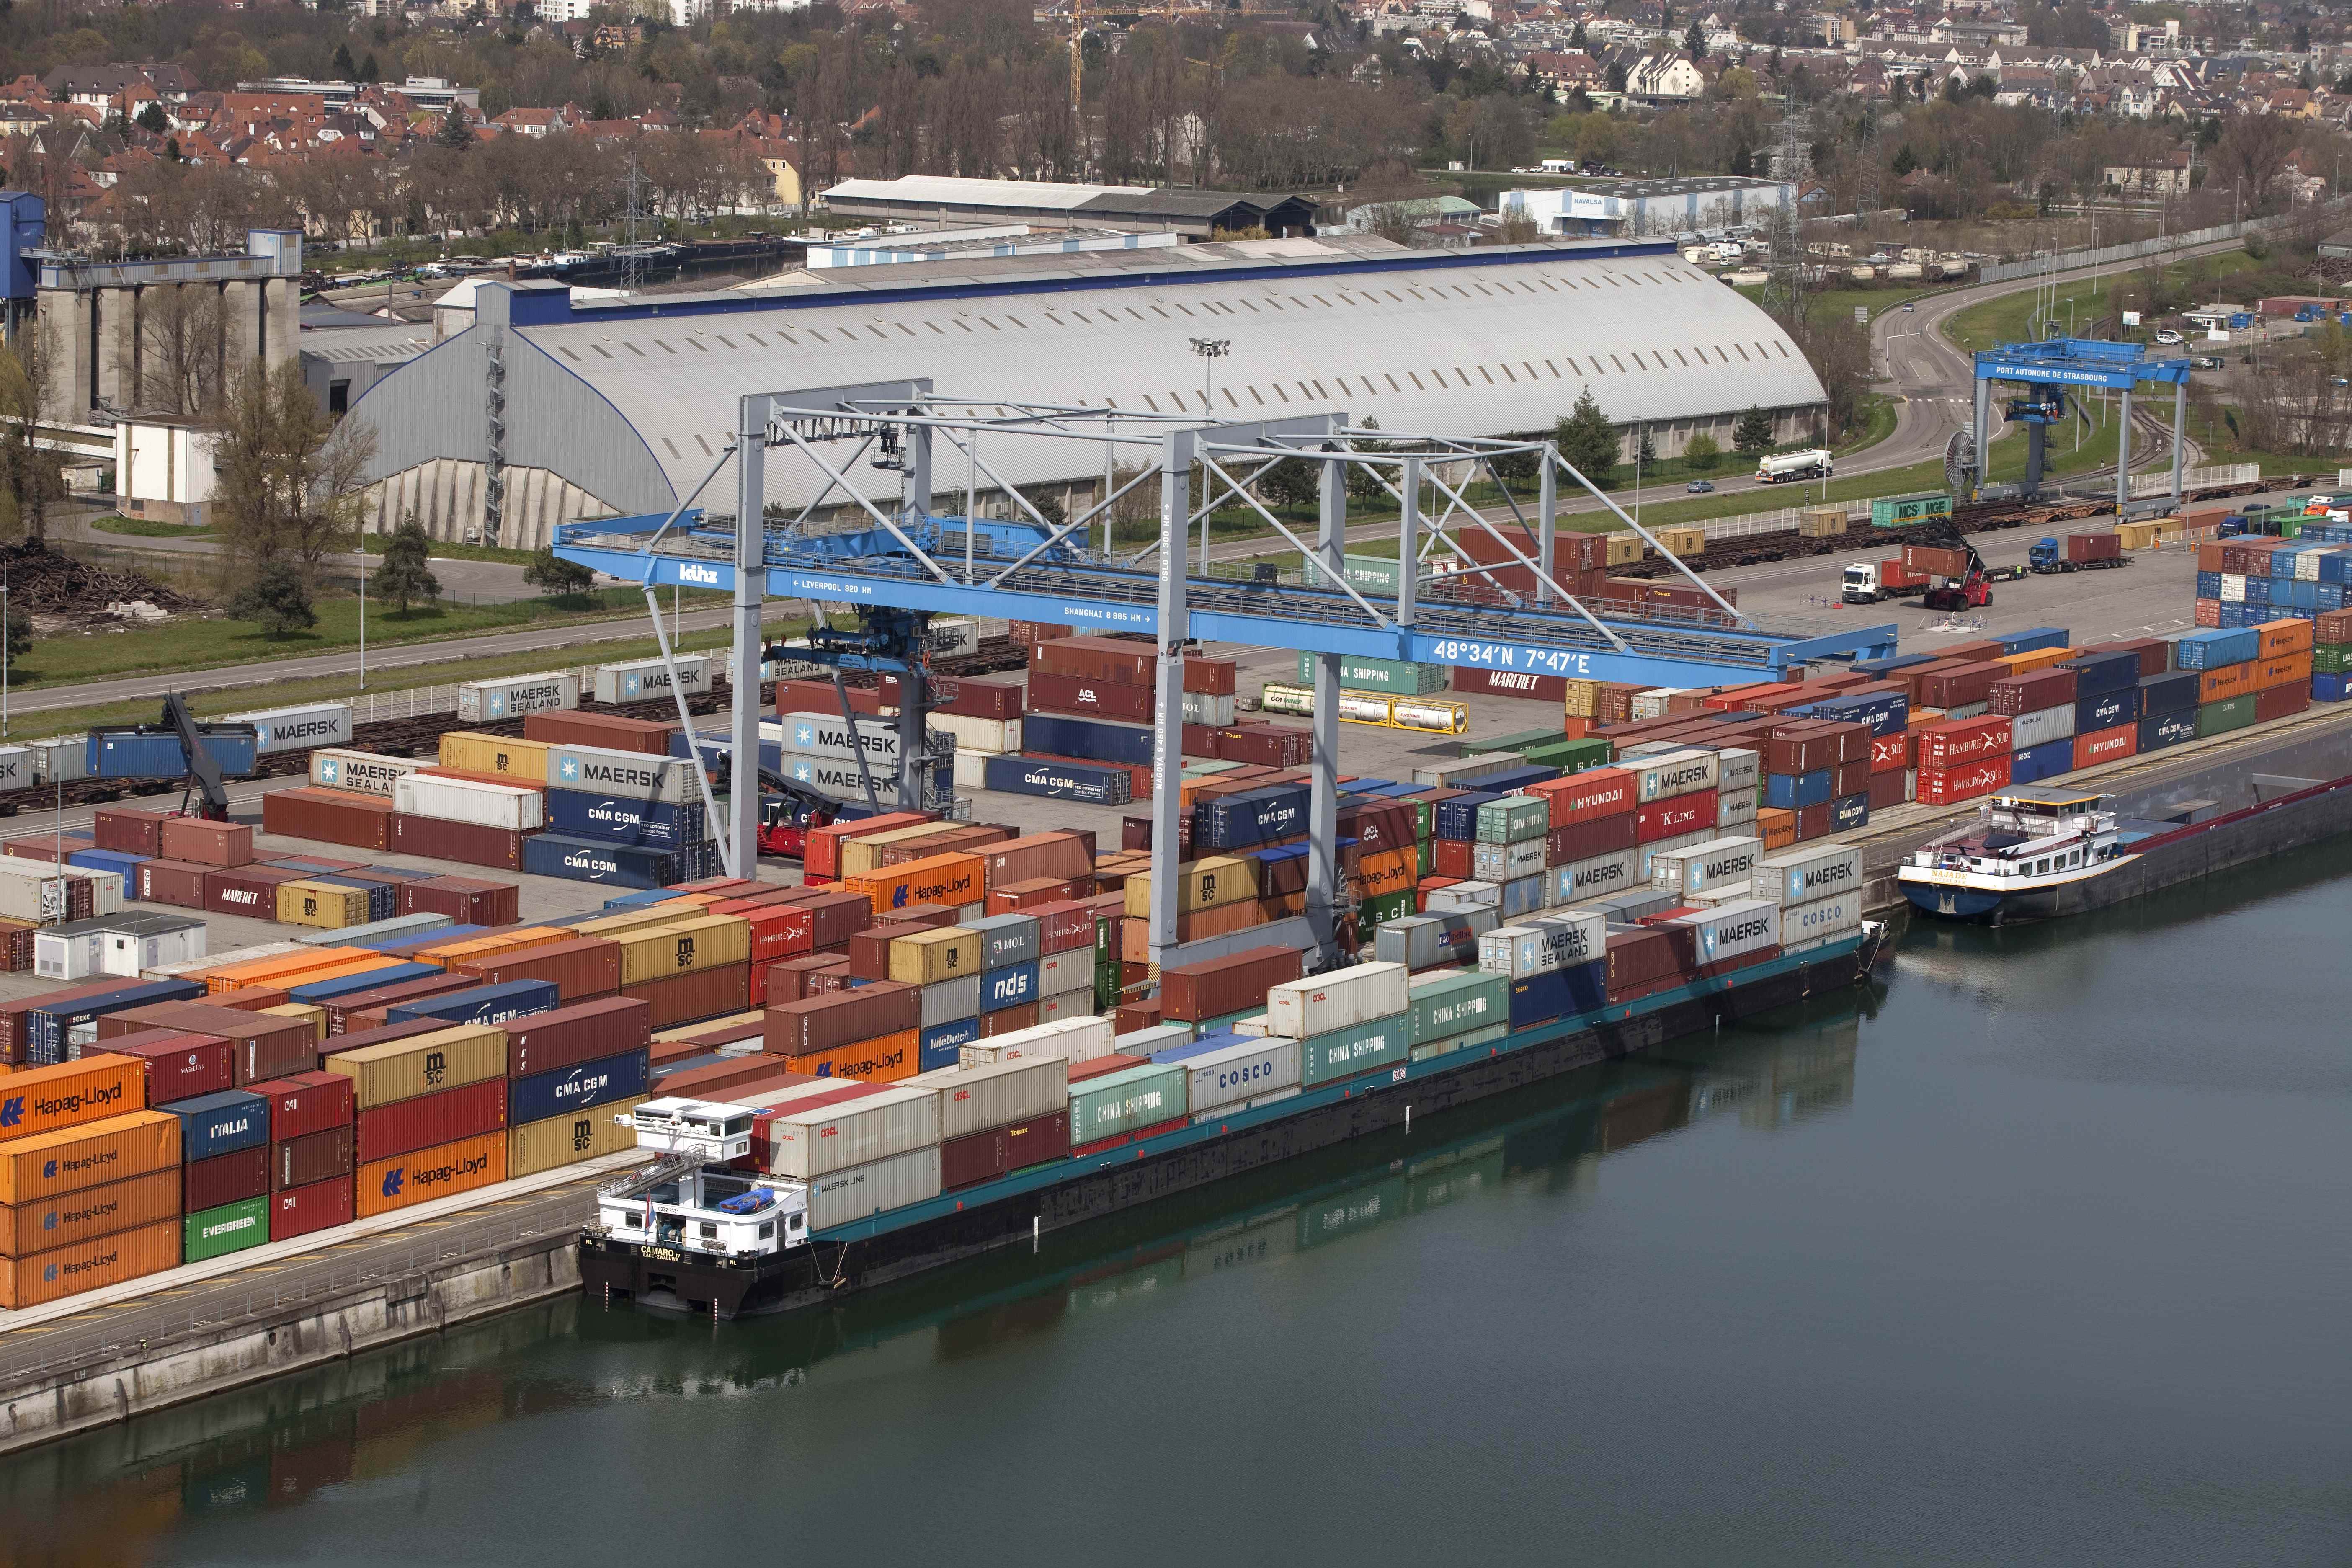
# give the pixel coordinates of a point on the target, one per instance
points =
(50, 583)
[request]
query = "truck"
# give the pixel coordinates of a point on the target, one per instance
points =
(2081, 552)
(1814, 463)
(1870, 581)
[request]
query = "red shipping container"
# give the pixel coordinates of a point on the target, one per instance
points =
(676, 999)
(1551, 688)
(2110, 745)
(788, 978)
(465, 901)
(468, 843)
(610, 730)
(1211, 677)
(1816, 821)
(224, 1179)
(2154, 654)
(1194, 992)
(1849, 778)
(328, 817)
(1889, 789)
(974, 1157)
(2278, 702)
(259, 1046)
(341, 1010)
(1028, 1143)
(1596, 792)
(306, 1102)
(2209, 613)
(1948, 742)
(1949, 786)
(1004, 1020)
(1673, 817)
(584, 967)
(419, 1122)
(779, 931)
(247, 890)
(378, 1033)
(1266, 745)
(129, 832)
(1098, 658)
(1056, 855)
(1092, 697)
(299, 1211)
(2031, 693)
(581, 1032)
(1451, 858)
(312, 1158)
(1890, 754)
(818, 697)
(313, 865)
(207, 843)
(1027, 898)
(180, 1065)
(1958, 687)
(835, 917)
(1583, 840)
(1064, 927)
(177, 883)
(970, 696)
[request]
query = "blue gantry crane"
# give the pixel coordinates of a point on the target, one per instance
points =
(2051, 369)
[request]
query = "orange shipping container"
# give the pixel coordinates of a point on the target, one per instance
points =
(48, 1163)
(2284, 637)
(408, 1179)
(87, 1265)
(1135, 930)
(72, 1094)
(881, 1060)
(2284, 669)
(949, 879)
(2037, 659)
(1389, 871)
(50, 1223)
(457, 953)
(271, 974)
(2227, 682)
(1777, 827)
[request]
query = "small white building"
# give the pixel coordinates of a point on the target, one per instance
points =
(162, 469)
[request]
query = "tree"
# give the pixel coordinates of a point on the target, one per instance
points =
(1648, 451)
(1294, 483)
(181, 345)
(31, 478)
(153, 120)
(556, 577)
(369, 70)
(1587, 440)
(1905, 162)
(407, 575)
(344, 68)
(1702, 451)
(454, 134)
(1694, 43)
(1753, 434)
(288, 476)
(20, 633)
(276, 599)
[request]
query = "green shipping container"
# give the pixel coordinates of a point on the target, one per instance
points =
(2331, 659)
(1571, 756)
(232, 1228)
(1894, 511)
(1424, 814)
(2221, 717)
(1453, 1043)
(1513, 819)
(1106, 940)
(1519, 743)
(1388, 677)
(1208, 1026)
(1370, 576)
(1360, 1048)
(1449, 1004)
(1126, 1101)
(1428, 866)
(1389, 907)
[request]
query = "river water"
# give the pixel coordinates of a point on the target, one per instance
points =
(2034, 1252)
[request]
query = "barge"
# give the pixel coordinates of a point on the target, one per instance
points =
(694, 1233)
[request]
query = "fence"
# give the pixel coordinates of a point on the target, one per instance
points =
(2211, 476)
(2163, 245)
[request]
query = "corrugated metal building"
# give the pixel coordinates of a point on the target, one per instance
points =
(623, 406)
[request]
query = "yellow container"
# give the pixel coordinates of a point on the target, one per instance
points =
(310, 1012)
(321, 904)
(1821, 522)
(1683, 540)
(472, 752)
(538, 1146)
(1581, 697)
(1206, 884)
(683, 947)
(857, 855)
(1625, 549)
(422, 1064)
(927, 957)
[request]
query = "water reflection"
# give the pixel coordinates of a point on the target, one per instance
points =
(121, 1493)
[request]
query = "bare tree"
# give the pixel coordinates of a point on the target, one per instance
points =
(31, 480)
(182, 345)
(288, 476)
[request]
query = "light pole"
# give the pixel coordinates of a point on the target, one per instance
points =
(362, 609)
(1211, 351)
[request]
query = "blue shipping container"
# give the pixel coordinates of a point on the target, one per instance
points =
(1008, 987)
(319, 991)
(383, 897)
(46, 1027)
(2029, 641)
(1256, 816)
(2213, 649)
(107, 860)
(1458, 817)
(1887, 712)
(655, 823)
(2174, 691)
(2208, 584)
(2167, 729)
(482, 1005)
(1085, 783)
(1096, 740)
(1853, 811)
(2327, 688)
(2099, 672)
(2045, 761)
(1559, 993)
(220, 1123)
(1794, 792)
(942, 1044)
(585, 860)
(1511, 780)
(578, 1087)
(2108, 710)
(126, 757)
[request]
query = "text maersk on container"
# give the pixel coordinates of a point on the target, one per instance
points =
(1738, 933)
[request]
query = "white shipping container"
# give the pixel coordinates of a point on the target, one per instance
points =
(1059, 974)
(1507, 862)
(1687, 771)
(1737, 768)
(863, 1191)
(950, 1000)
(2043, 724)
(1139, 1042)
(20, 769)
(1199, 708)
(1736, 809)
(362, 772)
(1065, 1006)
(1462, 898)
(810, 734)
(1582, 880)
(62, 760)
(1546, 943)
(1298, 1008)
(971, 773)
(516, 695)
(279, 729)
(398, 925)
(1713, 864)
(2234, 588)
(1254, 1026)
(640, 679)
(996, 1094)
(1733, 931)
(1645, 856)
(624, 775)
(1808, 872)
(1577, 936)
(808, 1143)
(484, 804)
(1247, 1068)
(1652, 703)
(1071, 1039)
(1809, 925)
(996, 737)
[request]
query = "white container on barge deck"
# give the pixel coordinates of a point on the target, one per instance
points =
(1295, 1009)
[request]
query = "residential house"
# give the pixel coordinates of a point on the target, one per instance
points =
(1664, 78)
(2167, 176)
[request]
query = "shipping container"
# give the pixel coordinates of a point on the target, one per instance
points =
(121, 1203)
(302, 1211)
(482, 1005)
(583, 1086)
(306, 1103)
(1120, 1104)
(224, 1179)
(696, 994)
(480, 701)
(422, 1064)
(429, 1174)
(316, 1157)
(35, 1278)
(50, 1164)
(889, 1122)
(998, 1094)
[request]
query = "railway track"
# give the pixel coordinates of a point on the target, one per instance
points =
(407, 737)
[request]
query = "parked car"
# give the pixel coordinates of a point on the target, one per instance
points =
(1700, 487)
(2168, 336)
(2205, 362)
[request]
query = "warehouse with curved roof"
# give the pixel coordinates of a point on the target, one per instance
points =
(551, 407)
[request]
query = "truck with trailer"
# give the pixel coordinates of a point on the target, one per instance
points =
(1872, 582)
(1813, 464)
(2078, 553)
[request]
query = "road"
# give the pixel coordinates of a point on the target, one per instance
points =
(466, 581)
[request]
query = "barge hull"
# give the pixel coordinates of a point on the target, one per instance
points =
(828, 1270)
